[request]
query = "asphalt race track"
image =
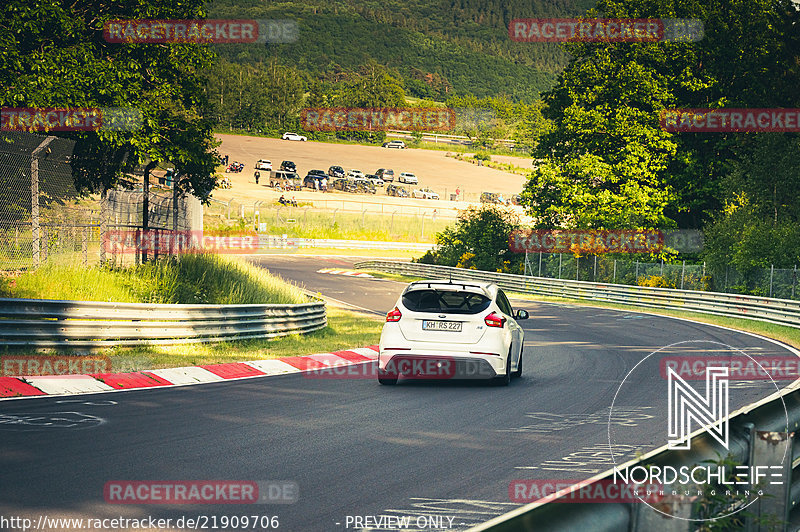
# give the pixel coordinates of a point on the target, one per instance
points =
(353, 447)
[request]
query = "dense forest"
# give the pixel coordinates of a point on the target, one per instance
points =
(435, 48)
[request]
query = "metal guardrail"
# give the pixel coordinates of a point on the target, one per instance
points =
(758, 437)
(50, 323)
(771, 310)
(759, 433)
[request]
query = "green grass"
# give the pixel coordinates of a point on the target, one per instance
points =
(345, 330)
(310, 223)
(192, 279)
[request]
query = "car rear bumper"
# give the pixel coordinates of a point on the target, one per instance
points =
(442, 365)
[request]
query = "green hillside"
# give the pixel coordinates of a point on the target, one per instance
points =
(438, 48)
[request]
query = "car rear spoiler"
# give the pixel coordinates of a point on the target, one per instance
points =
(449, 282)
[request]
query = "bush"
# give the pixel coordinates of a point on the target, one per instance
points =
(655, 281)
(478, 240)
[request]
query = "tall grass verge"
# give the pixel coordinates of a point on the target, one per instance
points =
(200, 278)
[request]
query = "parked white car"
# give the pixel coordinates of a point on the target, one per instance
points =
(377, 181)
(408, 178)
(424, 193)
(443, 329)
(264, 164)
(293, 136)
(355, 174)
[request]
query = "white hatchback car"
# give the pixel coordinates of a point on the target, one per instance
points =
(355, 174)
(408, 178)
(294, 136)
(424, 193)
(443, 329)
(264, 164)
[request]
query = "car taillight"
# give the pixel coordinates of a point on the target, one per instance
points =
(394, 315)
(494, 320)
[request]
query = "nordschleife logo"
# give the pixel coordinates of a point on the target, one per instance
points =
(686, 405)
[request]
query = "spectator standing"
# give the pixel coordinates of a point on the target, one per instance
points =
(324, 183)
(257, 174)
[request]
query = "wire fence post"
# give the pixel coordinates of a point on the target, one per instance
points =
(636, 275)
(577, 267)
(794, 279)
(540, 264)
(683, 272)
(172, 248)
(771, 275)
(45, 242)
(615, 272)
(35, 198)
(725, 288)
(662, 267)
(560, 255)
(594, 275)
(85, 246)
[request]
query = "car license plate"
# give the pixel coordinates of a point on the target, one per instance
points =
(453, 326)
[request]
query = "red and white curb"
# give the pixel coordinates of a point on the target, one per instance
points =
(29, 386)
(343, 272)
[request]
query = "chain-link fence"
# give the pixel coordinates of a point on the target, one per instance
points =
(44, 219)
(42, 216)
(128, 240)
(767, 282)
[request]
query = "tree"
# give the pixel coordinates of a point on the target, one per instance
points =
(478, 240)
(606, 155)
(53, 54)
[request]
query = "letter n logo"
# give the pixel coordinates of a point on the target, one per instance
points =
(686, 405)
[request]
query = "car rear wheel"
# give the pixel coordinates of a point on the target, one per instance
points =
(518, 373)
(387, 381)
(505, 380)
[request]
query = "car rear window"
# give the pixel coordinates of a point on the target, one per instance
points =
(449, 301)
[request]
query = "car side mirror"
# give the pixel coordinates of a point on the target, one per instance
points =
(522, 314)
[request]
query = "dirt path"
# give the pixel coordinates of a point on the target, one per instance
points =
(443, 174)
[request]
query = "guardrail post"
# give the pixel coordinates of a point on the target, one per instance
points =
(767, 449)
